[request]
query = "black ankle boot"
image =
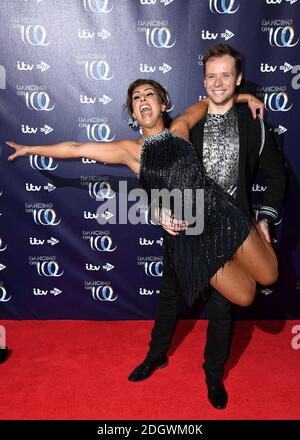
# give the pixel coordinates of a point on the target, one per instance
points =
(150, 364)
(217, 394)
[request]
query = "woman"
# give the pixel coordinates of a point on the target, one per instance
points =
(163, 159)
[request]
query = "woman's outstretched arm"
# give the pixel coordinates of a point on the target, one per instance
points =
(111, 152)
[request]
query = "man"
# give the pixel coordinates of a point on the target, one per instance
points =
(231, 145)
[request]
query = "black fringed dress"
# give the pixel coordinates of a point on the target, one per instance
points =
(170, 162)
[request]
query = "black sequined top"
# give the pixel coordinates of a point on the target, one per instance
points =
(170, 162)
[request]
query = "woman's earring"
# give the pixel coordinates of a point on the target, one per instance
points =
(133, 123)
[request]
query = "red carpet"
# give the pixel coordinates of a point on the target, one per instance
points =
(79, 369)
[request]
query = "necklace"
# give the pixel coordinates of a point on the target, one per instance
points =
(157, 136)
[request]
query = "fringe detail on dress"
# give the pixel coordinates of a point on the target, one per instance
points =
(171, 162)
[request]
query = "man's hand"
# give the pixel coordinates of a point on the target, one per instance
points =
(169, 223)
(264, 228)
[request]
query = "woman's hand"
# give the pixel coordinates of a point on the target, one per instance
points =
(20, 150)
(256, 106)
(264, 228)
(169, 223)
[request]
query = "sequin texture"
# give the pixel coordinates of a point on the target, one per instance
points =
(221, 149)
(170, 162)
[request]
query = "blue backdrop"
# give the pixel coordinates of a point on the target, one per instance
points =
(65, 66)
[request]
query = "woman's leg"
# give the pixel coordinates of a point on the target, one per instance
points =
(257, 257)
(234, 283)
(254, 261)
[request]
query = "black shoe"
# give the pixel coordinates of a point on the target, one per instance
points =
(3, 354)
(217, 394)
(149, 365)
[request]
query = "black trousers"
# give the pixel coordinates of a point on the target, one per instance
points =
(218, 311)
